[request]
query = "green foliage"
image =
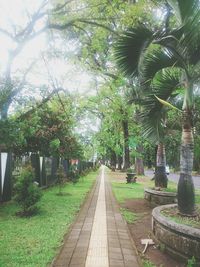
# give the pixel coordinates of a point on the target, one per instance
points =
(10, 133)
(178, 47)
(54, 146)
(27, 192)
(48, 129)
(114, 110)
(192, 262)
(147, 263)
(33, 241)
(128, 49)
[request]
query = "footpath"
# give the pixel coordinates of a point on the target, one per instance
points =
(99, 237)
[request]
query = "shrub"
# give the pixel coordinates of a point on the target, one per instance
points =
(27, 192)
(73, 174)
(61, 178)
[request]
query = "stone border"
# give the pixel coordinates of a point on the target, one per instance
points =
(180, 241)
(156, 197)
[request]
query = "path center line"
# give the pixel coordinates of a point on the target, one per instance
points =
(98, 247)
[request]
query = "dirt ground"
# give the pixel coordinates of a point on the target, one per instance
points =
(141, 229)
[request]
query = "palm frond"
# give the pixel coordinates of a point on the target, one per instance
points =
(156, 60)
(191, 37)
(152, 126)
(183, 9)
(172, 44)
(166, 83)
(153, 114)
(188, 14)
(167, 104)
(129, 48)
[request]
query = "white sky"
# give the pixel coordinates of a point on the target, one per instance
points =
(13, 13)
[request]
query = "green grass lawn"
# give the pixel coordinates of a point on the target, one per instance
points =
(124, 191)
(34, 241)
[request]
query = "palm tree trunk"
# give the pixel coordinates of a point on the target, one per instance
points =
(160, 172)
(186, 199)
(139, 165)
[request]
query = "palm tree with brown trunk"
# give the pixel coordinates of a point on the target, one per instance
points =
(153, 117)
(144, 52)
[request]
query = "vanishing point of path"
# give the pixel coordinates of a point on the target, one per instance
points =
(99, 237)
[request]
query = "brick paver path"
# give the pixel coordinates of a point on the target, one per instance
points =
(100, 237)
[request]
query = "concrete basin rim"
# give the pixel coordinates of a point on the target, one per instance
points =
(160, 193)
(167, 222)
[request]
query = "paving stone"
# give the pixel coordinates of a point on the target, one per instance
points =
(100, 237)
(117, 263)
(82, 244)
(114, 250)
(62, 262)
(125, 242)
(79, 260)
(70, 244)
(115, 256)
(127, 251)
(80, 250)
(65, 256)
(81, 254)
(131, 263)
(77, 265)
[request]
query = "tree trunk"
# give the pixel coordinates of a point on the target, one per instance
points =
(4, 111)
(119, 161)
(126, 145)
(139, 165)
(113, 159)
(186, 199)
(160, 171)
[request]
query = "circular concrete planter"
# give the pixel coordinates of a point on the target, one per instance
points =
(156, 197)
(180, 241)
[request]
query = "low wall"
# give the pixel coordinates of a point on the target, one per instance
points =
(180, 241)
(159, 197)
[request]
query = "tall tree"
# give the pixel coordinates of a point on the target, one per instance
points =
(144, 52)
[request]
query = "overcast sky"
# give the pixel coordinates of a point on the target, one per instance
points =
(66, 73)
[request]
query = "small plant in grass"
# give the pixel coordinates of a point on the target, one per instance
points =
(129, 216)
(73, 173)
(27, 192)
(61, 177)
(147, 263)
(192, 262)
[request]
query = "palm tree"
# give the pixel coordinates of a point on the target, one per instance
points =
(145, 52)
(153, 117)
